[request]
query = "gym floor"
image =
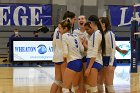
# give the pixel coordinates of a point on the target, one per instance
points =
(39, 80)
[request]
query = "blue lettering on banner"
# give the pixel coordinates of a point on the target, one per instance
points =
(50, 49)
(34, 49)
(25, 49)
(25, 15)
(122, 16)
(40, 57)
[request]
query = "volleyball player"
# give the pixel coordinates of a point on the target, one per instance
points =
(72, 49)
(95, 51)
(109, 61)
(58, 55)
(82, 34)
(106, 75)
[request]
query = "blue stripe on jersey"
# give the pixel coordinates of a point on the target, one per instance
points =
(111, 39)
(57, 35)
(93, 38)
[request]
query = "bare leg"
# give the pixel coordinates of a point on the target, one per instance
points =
(76, 81)
(58, 77)
(69, 76)
(92, 78)
(101, 80)
(109, 76)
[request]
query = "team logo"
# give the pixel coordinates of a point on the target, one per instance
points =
(127, 47)
(42, 49)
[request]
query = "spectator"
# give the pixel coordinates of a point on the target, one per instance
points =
(16, 34)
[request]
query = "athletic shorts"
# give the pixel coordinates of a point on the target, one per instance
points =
(75, 65)
(106, 60)
(96, 65)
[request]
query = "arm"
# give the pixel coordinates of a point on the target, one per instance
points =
(81, 46)
(113, 46)
(121, 51)
(65, 47)
(91, 62)
(54, 38)
(96, 45)
(85, 44)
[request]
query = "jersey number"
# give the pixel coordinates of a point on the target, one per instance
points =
(76, 43)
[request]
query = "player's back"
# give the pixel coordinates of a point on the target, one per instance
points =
(72, 46)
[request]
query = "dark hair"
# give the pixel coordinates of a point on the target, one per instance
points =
(87, 24)
(95, 20)
(68, 14)
(66, 23)
(106, 21)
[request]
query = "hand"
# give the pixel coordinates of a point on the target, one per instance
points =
(87, 72)
(111, 68)
(85, 43)
(124, 51)
(82, 40)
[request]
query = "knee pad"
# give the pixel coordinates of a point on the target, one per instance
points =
(87, 87)
(110, 88)
(100, 87)
(93, 89)
(75, 87)
(65, 90)
(59, 83)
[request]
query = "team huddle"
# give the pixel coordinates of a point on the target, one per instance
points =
(85, 57)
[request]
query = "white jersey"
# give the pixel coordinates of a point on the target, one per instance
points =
(80, 34)
(94, 46)
(57, 46)
(72, 47)
(110, 46)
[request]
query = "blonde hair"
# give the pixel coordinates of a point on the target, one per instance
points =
(66, 23)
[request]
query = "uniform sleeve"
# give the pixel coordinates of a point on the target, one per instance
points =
(112, 56)
(81, 47)
(97, 38)
(65, 45)
(54, 38)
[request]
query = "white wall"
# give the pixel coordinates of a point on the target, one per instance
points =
(59, 2)
(90, 2)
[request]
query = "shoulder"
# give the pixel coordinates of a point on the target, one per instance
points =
(76, 31)
(56, 30)
(97, 33)
(66, 35)
(111, 33)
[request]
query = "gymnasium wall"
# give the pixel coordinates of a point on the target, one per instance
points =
(26, 31)
(103, 5)
(85, 7)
